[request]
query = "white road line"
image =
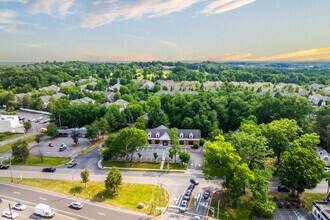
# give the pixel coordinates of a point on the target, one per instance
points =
(42, 198)
(100, 213)
(17, 192)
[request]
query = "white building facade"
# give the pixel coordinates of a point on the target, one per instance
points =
(10, 123)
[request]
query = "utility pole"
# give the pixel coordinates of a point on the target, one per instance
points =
(218, 209)
(11, 214)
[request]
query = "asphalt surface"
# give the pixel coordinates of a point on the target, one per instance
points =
(59, 203)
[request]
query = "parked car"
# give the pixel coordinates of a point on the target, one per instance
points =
(280, 205)
(50, 144)
(19, 206)
(49, 169)
(193, 181)
(206, 194)
(76, 205)
(72, 164)
(63, 147)
(10, 214)
(4, 167)
(287, 205)
(191, 187)
(183, 206)
(283, 189)
(0, 201)
(196, 218)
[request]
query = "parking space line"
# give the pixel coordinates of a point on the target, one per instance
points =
(42, 198)
(100, 213)
(17, 192)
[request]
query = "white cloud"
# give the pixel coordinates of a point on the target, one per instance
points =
(223, 57)
(221, 6)
(106, 11)
(34, 45)
(50, 7)
(9, 24)
(163, 42)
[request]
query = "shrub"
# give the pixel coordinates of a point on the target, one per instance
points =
(264, 209)
(195, 146)
(201, 142)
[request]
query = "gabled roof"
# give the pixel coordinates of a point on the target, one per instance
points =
(165, 137)
(164, 133)
(68, 83)
(162, 127)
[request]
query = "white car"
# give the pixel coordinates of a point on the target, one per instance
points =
(9, 215)
(19, 206)
(76, 205)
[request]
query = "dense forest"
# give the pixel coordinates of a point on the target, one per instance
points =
(25, 78)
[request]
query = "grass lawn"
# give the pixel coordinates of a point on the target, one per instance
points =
(95, 145)
(9, 136)
(175, 166)
(121, 164)
(36, 161)
(7, 147)
(128, 196)
(227, 212)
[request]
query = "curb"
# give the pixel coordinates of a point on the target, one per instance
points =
(99, 164)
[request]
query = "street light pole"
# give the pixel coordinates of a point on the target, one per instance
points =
(11, 170)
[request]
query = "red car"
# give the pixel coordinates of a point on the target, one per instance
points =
(50, 144)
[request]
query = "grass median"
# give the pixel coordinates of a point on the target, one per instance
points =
(128, 196)
(123, 164)
(7, 147)
(38, 161)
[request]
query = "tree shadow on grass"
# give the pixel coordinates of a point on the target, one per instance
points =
(103, 195)
(76, 189)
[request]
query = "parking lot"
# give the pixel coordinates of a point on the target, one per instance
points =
(71, 151)
(196, 204)
(27, 213)
(291, 214)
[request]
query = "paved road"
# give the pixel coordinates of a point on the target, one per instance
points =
(59, 203)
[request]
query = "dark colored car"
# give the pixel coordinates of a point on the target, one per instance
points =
(287, 205)
(72, 164)
(280, 204)
(206, 194)
(191, 187)
(49, 169)
(193, 181)
(283, 189)
(3, 167)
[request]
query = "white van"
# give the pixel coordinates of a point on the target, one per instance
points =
(44, 210)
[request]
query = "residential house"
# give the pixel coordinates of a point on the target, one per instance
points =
(315, 86)
(327, 90)
(317, 98)
(84, 100)
(45, 99)
(49, 88)
(10, 123)
(147, 85)
(161, 136)
(68, 83)
(19, 96)
(324, 155)
(110, 96)
(115, 87)
(123, 104)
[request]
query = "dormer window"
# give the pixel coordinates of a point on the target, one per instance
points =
(191, 135)
(149, 134)
(157, 134)
(181, 135)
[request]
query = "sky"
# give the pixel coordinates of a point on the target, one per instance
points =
(164, 30)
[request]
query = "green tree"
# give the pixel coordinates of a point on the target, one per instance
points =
(2, 135)
(184, 156)
(279, 133)
(300, 169)
(20, 151)
(38, 138)
(175, 143)
(113, 180)
(84, 176)
(27, 126)
(322, 125)
(92, 131)
(52, 130)
(126, 142)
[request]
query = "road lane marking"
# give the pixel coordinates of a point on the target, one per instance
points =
(42, 198)
(100, 213)
(17, 192)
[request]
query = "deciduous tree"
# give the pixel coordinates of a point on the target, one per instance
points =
(113, 180)
(84, 176)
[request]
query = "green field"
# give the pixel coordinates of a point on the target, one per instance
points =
(7, 136)
(128, 196)
(37, 161)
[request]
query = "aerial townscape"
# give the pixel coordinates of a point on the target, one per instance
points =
(165, 109)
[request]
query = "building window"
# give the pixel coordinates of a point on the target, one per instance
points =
(149, 134)
(157, 134)
(181, 142)
(181, 135)
(190, 143)
(191, 135)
